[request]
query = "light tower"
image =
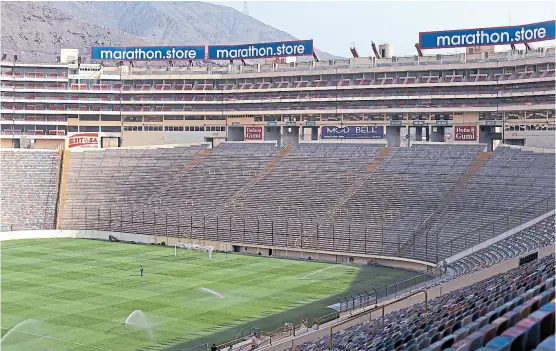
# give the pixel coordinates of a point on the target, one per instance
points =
(245, 9)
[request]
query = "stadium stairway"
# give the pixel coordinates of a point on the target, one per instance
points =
(62, 186)
(256, 178)
(442, 207)
(194, 162)
(371, 168)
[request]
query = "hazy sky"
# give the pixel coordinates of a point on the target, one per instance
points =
(335, 25)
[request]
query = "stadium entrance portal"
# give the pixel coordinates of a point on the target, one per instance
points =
(236, 134)
(272, 133)
(111, 142)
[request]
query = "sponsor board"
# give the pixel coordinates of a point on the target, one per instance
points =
(465, 133)
(148, 53)
(253, 133)
(352, 132)
(526, 33)
(260, 50)
(83, 140)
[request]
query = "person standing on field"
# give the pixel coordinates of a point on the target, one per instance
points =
(141, 270)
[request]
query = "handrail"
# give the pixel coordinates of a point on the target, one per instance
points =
(386, 289)
(374, 309)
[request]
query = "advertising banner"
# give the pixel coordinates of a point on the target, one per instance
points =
(253, 133)
(261, 50)
(352, 132)
(525, 33)
(83, 140)
(465, 133)
(148, 53)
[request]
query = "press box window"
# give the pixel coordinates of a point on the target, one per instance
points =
(133, 128)
(110, 129)
(88, 128)
(153, 128)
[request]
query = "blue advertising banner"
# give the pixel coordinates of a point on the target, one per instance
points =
(353, 132)
(261, 50)
(148, 53)
(525, 33)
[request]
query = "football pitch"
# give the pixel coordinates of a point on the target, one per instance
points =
(77, 294)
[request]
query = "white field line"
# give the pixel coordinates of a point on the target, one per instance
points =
(315, 272)
(52, 338)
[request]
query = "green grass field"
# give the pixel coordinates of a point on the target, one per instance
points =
(75, 294)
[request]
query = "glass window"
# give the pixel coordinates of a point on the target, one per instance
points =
(88, 117)
(110, 129)
(133, 119)
(110, 118)
(88, 128)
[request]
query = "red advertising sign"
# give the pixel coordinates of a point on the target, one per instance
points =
(253, 133)
(84, 140)
(465, 133)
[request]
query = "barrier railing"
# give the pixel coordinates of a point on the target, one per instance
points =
(374, 309)
(293, 232)
(276, 232)
(498, 226)
(364, 299)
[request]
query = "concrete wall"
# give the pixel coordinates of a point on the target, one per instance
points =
(162, 138)
(337, 257)
(532, 138)
(396, 262)
(78, 234)
(6, 143)
(49, 144)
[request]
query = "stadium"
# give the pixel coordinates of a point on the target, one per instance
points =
(372, 203)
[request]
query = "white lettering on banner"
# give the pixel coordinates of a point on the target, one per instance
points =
(482, 37)
(253, 133)
(252, 52)
(147, 54)
(336, 130)
(358, 130)
(465, 133)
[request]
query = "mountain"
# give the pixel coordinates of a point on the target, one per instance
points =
(36, 32)
(28, 26)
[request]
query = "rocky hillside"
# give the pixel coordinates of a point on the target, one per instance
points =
(37, 30)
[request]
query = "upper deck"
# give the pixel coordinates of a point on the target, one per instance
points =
(360, 65)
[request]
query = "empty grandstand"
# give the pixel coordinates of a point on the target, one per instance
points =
(437, 170)
(426, 202)
(506, 95)
(510, 311)
(29, 189)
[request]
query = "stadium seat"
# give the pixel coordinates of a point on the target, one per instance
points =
(31, 176)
